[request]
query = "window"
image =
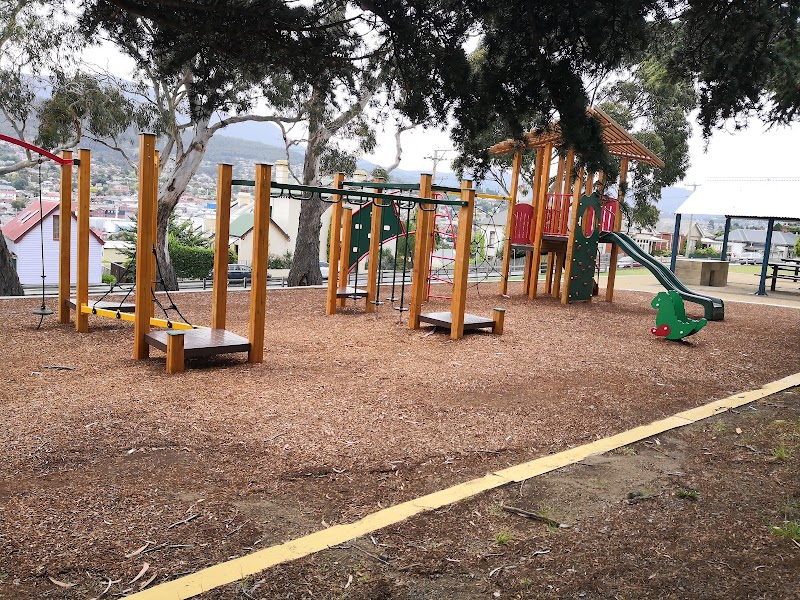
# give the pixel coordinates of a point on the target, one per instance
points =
(56, 222)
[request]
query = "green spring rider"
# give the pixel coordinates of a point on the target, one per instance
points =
(671, 320)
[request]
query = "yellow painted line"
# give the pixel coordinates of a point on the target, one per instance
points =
(239, 568)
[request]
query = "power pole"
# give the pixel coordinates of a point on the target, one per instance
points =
(438, 156)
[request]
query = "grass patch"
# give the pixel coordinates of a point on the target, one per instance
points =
(789, 530)
(687, 494)
(504, 538)
(781, 452)
(719, 428)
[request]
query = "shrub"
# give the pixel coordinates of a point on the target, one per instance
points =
(190, 262)
(705, 253)
(109, 279)
(280, 261)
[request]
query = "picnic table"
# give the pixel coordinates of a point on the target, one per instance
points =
(789, 269)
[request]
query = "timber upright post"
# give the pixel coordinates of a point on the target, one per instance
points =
(82, 263)
(512, 203)
(219, 292)
(334, 250)
(463, 243)
(612, 265)
(564, 222)
(537, 169)
(258, 290)
(541, 204)
(153, 257)
(577, 188)
(375, 234)
(144, 244)
(418, 283)
(344, 255)
(64, 240)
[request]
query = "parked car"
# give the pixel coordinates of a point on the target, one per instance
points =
(325, 268)
(750, 258)
(626, 262)
(236, 273)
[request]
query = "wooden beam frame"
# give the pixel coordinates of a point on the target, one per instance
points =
(64, 238)
(458, 301)
(512, 203)
(418, 280)
(153, 257)
(577, 188)
(529, 261)
(219, 291)
(175, 354)
(612, 265)
(258, 290)
(335, 247)
(375, 234)
(541, 204)
(82, 261)
(344, 254)
(144, 245)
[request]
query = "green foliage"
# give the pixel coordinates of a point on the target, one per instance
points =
(797, 247)
(335, 160)
(704, 253)
(280, 261)
(190, 262)
(477, 249)
(18, 204)
(504, 538)
(790, 530)
(687, 494)
(109, 279)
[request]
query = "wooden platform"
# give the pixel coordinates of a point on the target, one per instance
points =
(202, 342)
(445, 320)
(350, 292)
(106, 305)
(550, 243)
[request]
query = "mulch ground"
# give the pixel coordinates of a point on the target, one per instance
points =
(346, 415)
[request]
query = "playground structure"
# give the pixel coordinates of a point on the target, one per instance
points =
(341, 245)
(180, 344)
(566, 220)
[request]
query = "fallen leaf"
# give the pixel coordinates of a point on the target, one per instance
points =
(61, 583)
(145, 566)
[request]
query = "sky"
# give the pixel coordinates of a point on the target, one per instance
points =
(753, 152)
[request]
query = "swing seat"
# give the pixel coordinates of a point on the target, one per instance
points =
(351, 292)
(445, 321)
(126, 308)
(201, 342)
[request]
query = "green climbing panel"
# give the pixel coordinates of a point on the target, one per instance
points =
(671, 320)
(362, 222)
(584, 252)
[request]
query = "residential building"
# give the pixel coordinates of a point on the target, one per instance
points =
(25, 244)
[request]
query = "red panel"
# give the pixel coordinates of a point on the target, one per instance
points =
(523, 220)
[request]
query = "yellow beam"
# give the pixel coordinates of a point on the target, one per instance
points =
(131, 318)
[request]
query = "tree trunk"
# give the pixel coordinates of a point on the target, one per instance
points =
(305, 263)
(9, 280)
(185, 167)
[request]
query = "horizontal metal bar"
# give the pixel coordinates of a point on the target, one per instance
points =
(325, 191)
(399, 186)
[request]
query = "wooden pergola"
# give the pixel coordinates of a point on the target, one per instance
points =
(619, 142)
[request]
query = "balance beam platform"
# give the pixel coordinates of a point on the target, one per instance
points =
(445, 320)
(202, 342)
(105, 305)
(350, 292)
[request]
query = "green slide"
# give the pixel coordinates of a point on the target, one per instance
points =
(713, 307)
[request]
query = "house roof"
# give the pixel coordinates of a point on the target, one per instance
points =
(755, 198)
(618, 141)
(759, 236)
(243, 224)
(27, 220)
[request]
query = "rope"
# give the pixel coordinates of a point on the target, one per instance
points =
(108, 292)
(402, 307)
(172, 305)
(42, 311)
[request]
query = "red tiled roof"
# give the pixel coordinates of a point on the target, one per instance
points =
(18, 227)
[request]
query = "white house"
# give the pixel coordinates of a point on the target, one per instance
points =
(24, 242)
(241, 238)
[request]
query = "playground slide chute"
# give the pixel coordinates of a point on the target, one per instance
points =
(713, 307)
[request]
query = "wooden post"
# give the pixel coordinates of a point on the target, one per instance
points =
(335, 247)
(258, 289)
(512, 203)
(219, 293)
(566, 188)
(541, 204)
(175, 357)
(498, 317)
(548, 282)
(418, 282)
(375, 233)
(576, 197)
(344, 256)
(82, 263)
(612, 265)
(559, 267)
(144, 244)
(459, 300)
(65, 240)
(530, 263)
(153, 258)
